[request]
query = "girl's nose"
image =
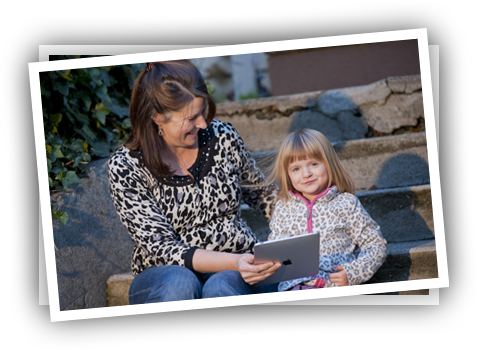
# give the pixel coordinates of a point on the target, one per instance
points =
(306, 172)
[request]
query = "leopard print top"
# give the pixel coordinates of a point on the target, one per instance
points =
(343, 225)
(169, 217)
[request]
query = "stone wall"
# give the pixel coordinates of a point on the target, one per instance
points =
(342, 114)
(93, 245)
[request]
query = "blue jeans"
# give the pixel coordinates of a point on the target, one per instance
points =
(172, 282)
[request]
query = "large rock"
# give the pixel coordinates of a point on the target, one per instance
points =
(93, 245)
(398, 111)
(341, 114)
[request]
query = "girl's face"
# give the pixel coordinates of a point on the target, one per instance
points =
(181, 130)
(309, 177)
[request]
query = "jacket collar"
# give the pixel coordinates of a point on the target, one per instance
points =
(323, 197)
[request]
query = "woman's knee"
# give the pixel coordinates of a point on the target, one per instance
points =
(225, 283)
(164, 283)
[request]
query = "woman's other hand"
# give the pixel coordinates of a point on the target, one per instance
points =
(255, 273)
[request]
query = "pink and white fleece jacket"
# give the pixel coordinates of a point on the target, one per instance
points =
(343, 225)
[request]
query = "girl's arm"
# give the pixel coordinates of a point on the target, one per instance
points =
(365, 233)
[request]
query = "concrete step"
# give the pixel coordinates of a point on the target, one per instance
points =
(405, 261)
(408, 261)
(386, 162)
(404, 214)
(117, 289)
(379, 162)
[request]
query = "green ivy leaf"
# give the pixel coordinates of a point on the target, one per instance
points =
(127, 123)
(56, 153)
(66, 74)
(116, 109)
(94, 74)
(88, 133)
(62, 217)
(56, 118)
(87, 102)
(69, 179)
(102, 92)
(62, 87)
(101, 148)
(100, 113)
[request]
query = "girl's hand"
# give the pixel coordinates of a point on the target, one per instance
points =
(339, 278)
(255, 273)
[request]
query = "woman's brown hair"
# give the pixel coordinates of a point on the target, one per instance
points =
(161, 88)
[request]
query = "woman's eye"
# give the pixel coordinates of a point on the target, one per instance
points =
(201, 114)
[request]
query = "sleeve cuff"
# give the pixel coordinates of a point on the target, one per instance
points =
(188, 258)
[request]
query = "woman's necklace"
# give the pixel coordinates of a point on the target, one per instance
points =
(180, 163)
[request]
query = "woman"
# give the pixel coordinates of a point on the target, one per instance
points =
(177, 185)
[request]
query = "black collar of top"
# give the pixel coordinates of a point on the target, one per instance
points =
(198, 169)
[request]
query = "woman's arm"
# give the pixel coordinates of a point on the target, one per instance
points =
(206, 261)
(140, 213)
(255, 192)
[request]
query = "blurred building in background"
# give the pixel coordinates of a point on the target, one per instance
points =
(237, 77)
(279, 73)
(326, 68)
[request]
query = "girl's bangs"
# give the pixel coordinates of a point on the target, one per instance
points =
(302, 149)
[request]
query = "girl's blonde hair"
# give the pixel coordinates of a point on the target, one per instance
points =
(304, 144)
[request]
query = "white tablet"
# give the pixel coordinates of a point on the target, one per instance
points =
(299, 256)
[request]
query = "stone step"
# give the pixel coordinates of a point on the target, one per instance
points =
(379, 162)
(408, 261)
(405, 261)
(404, 214)
(117, 289)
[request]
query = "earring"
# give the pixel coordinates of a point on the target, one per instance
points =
(160, 132)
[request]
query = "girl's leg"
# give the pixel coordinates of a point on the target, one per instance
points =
(164, 283)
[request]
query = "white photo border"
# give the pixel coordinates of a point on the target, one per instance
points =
(440, 282)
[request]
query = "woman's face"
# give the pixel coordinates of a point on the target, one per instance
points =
(181, 130)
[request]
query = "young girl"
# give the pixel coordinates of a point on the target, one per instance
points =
(316, 195)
